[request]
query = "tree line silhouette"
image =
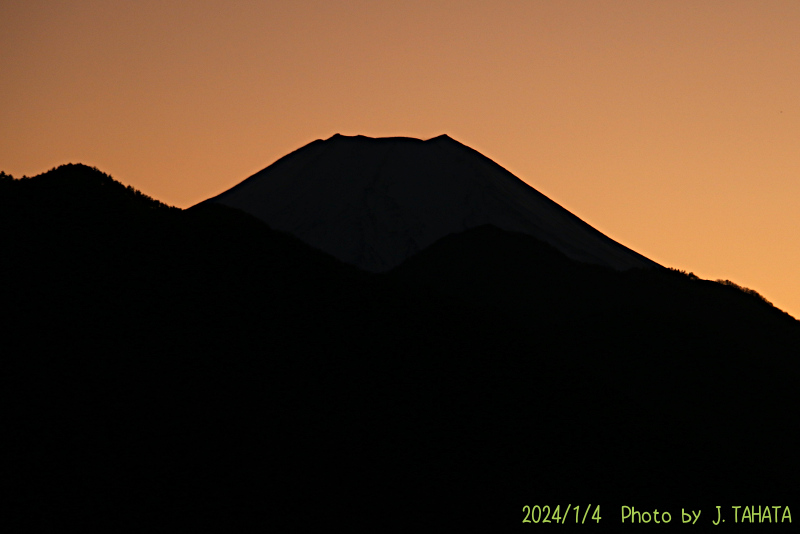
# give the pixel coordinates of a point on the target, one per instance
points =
(174, 368)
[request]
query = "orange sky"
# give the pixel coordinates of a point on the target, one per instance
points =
(671, 126)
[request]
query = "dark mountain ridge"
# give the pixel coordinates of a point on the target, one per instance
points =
(169, 368)
(373, 202)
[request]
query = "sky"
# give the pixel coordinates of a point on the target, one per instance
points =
(671, 126)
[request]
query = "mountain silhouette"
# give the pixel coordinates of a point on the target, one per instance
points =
(167, 369)
(373, 203)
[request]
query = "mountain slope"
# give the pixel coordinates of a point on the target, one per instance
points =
(167, 369)
(375, 202)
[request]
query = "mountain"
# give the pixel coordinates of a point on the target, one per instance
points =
(373, 203)
(167, 369)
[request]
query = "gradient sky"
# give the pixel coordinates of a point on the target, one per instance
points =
(671, 126)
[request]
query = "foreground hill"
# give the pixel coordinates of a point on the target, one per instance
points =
(170, 368)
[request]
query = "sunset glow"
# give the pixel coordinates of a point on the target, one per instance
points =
(672, 127)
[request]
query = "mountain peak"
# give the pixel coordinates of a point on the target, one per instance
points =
(373, 202)
(373, 140)
(441, 137)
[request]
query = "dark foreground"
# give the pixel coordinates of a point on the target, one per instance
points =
(165, 370)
